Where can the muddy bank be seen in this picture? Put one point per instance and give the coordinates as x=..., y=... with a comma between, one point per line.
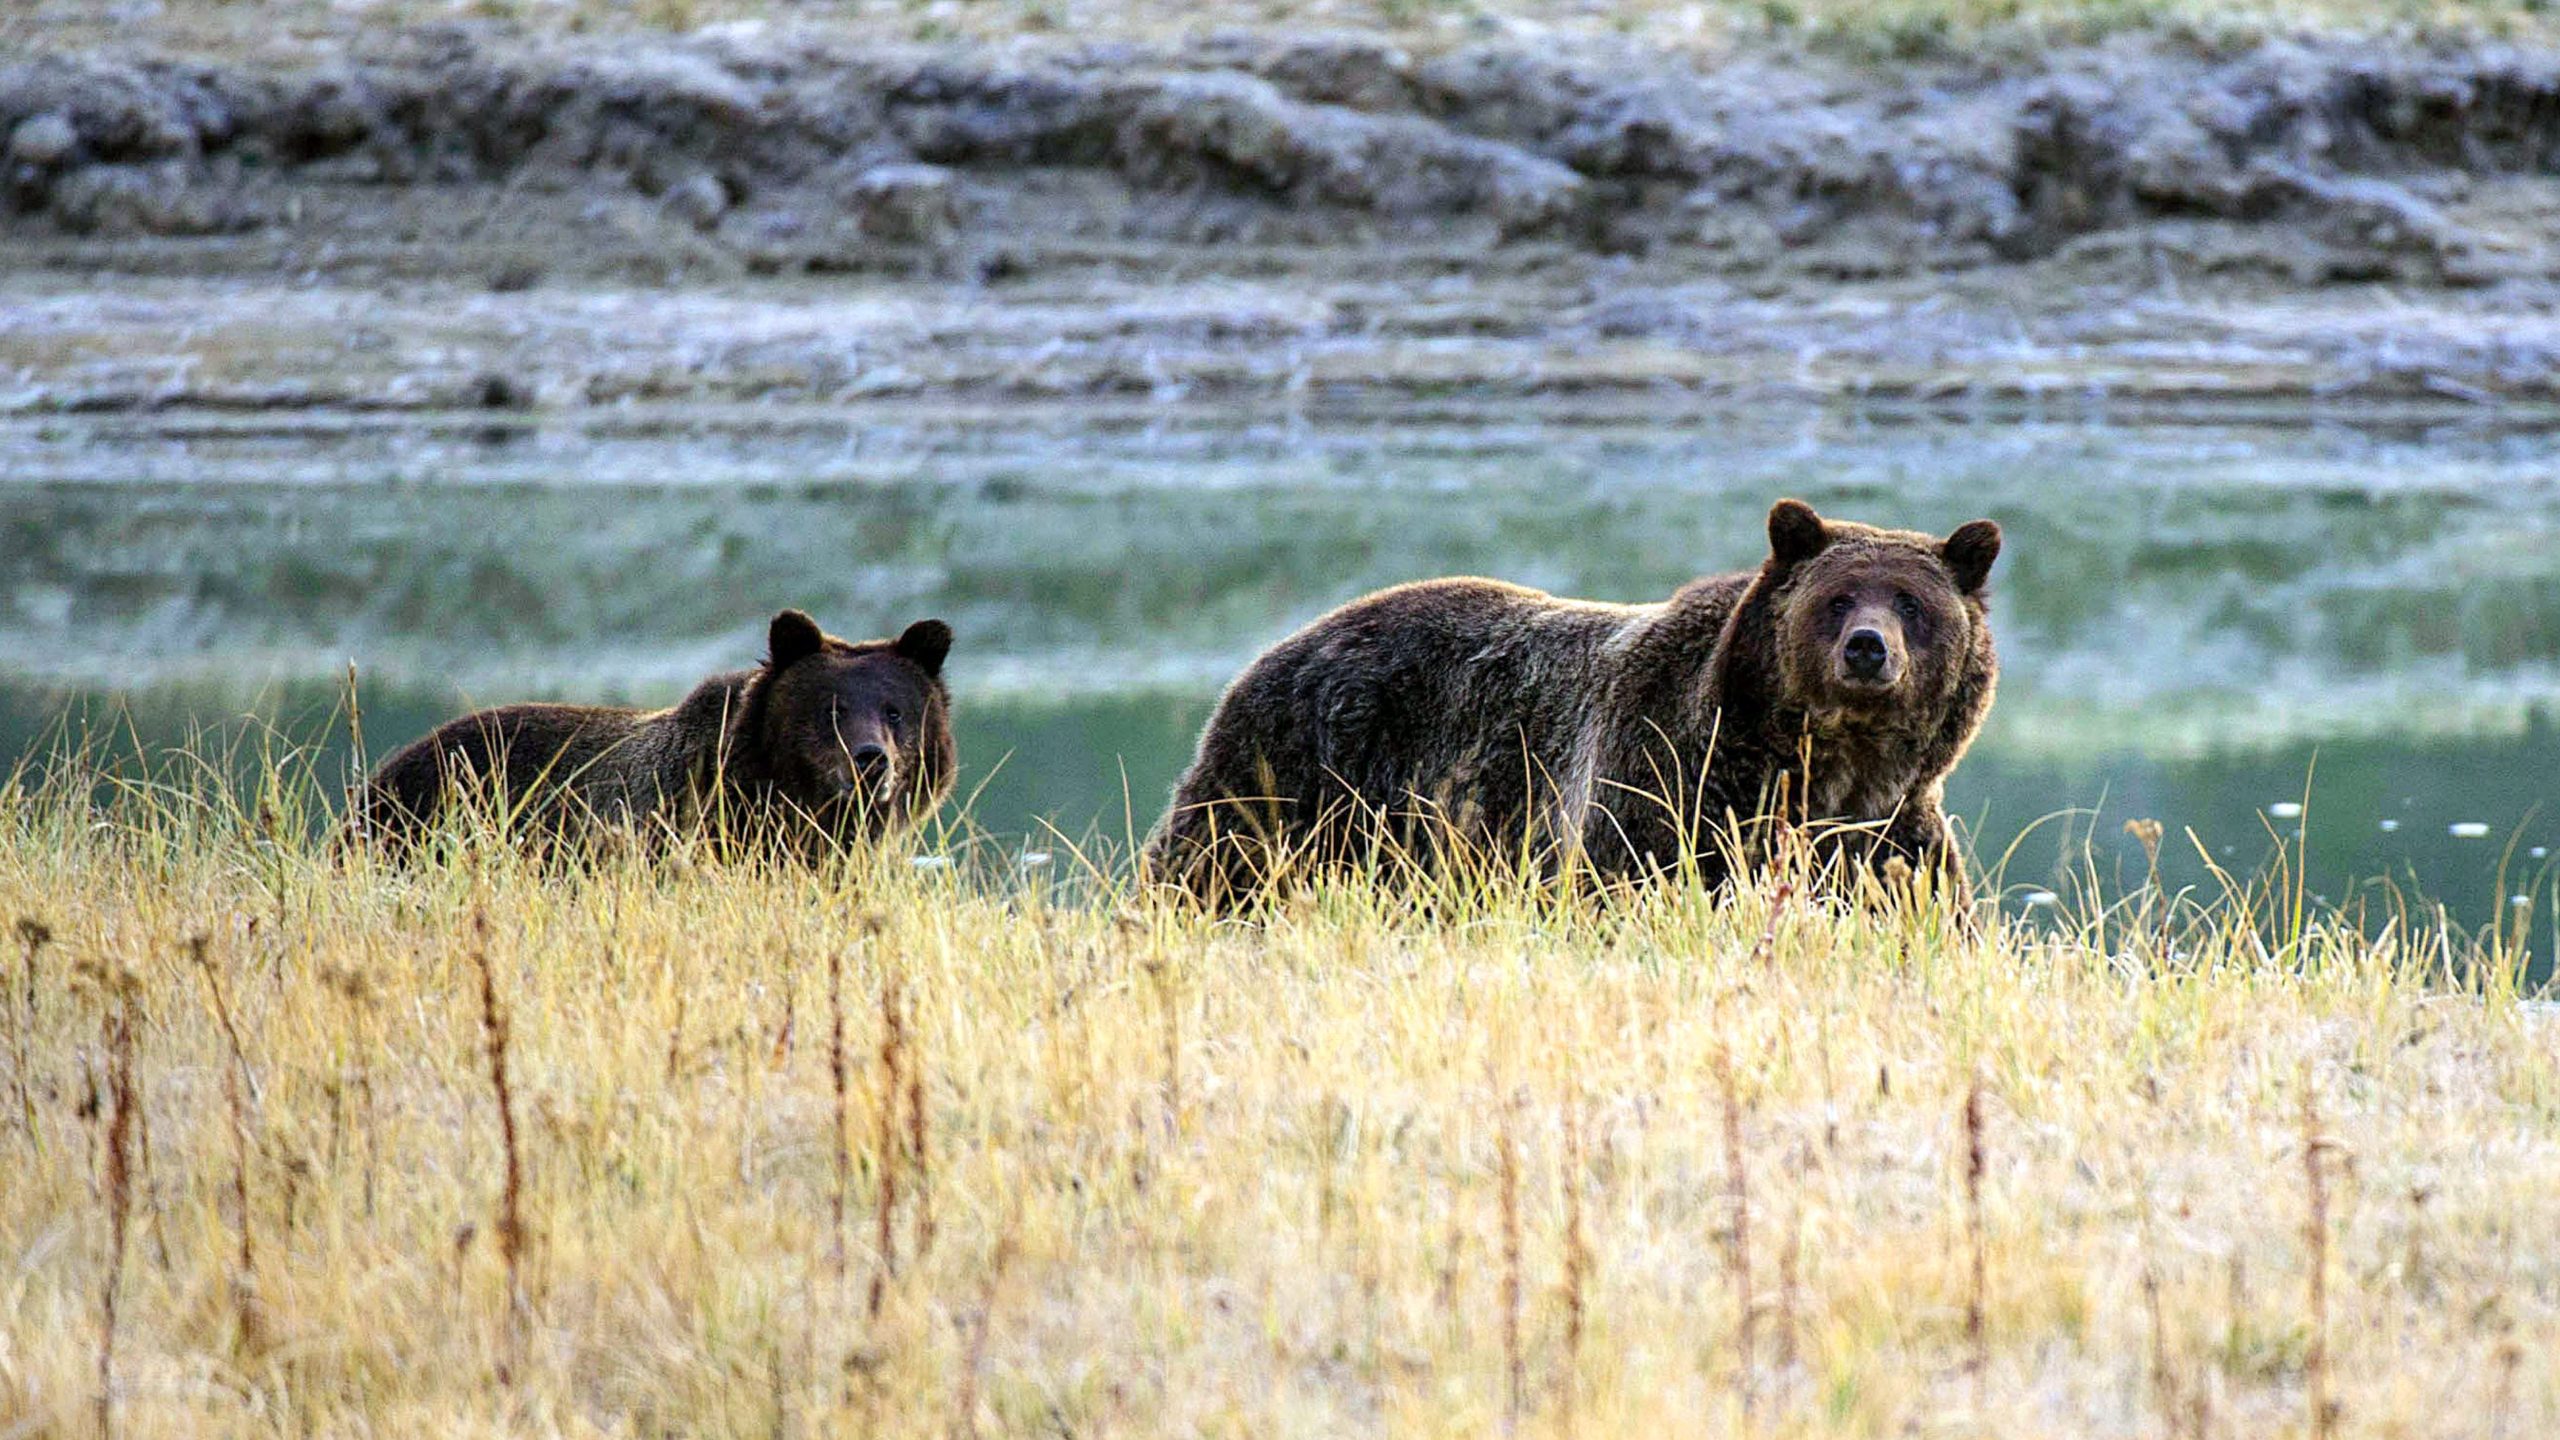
x=2325, y=161
x=742, y=213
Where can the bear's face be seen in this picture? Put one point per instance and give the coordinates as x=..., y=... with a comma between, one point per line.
x=1877, y=627
x=856, y=736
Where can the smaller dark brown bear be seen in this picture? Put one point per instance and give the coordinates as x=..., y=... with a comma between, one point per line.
x=829, y=741
x=1839, y=682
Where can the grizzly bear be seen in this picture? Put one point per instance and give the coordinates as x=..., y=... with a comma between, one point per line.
x=1839, y=682
x=828, y=741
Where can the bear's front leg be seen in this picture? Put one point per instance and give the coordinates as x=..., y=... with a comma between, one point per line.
x=1919, y=838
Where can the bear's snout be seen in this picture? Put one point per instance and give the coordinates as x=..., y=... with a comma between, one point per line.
x=870, y=769
x=1865, y=655
x=1870, y=657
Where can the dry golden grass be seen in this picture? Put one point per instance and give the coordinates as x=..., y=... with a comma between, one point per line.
x=1355, y=1170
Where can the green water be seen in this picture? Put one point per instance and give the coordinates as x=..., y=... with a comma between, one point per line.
x=2194, y=620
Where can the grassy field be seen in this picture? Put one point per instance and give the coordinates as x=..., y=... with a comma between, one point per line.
x=303, y=1146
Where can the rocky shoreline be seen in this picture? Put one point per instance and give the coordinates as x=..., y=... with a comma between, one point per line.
x=468, y=216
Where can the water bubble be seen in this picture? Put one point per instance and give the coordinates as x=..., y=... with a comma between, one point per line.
x=2539, y=851
x=2286, y=809
x=932, y=862
x=2040, y=899
x=2520, y=901
x=2467, y=829
x=1035, y=859
x=2390, y=825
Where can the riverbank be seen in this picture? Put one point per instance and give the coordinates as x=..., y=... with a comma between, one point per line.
x=481, y=215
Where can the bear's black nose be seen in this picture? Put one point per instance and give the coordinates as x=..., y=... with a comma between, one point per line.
x=1864, y=654
x=870, y=762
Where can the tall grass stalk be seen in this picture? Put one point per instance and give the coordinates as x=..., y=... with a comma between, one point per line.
x=1977, y=1339
x=246, y=1314
x=1577, y=1261
x=2316, y=1146
x=122, y=1093
x=885, y=1140
x=964, y=1419
x=1790, y=1260
x=33, y=936
x=1506, y=1141
x=495, y=1039
x=920, y=1145
x=1737, y=1189
x=839, y=1143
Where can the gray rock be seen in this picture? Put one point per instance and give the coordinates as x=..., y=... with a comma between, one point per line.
x=699, y=200
x=1239, y=129
x=43, y=140
x=133, y=200
x=906, y=204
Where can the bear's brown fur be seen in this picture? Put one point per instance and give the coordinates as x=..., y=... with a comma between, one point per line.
x=827, y=741
x=1839, y=682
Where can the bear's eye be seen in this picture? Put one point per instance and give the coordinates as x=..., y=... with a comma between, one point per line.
x=893, y=714
x=1906, y=607
x=1839, y=606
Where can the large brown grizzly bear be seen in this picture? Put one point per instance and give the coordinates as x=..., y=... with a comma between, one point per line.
x=1839, y=682
x=827, y=741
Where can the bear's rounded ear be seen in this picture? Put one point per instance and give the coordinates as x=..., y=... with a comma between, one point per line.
x=926, y=642
x=1796, y=534
x=794, y=636
x=1969, y=553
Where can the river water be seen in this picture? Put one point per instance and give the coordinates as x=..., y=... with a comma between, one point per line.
x=2206, y=624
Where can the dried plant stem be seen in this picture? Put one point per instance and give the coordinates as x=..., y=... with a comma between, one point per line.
x=511, y=1228
x=1738, y=1252
x=919, y=1146
x=244, y=1271
x=1507, y=1161
x=1976, y=1332
x=893, y=1053
x=364, y=1044
x=1768, y=946
x=1452, y=1243
x=787, y=1032
x=19, y=1063
x=33, y=936
x=964, y=1420
x=2164, y=1385
x=2315, y=1173
x=1790, y=1251
x=1577, y=1262
x=2502, y=1397
x=150, y=1177
x=357, y=769
x=119, y=1196
x=675, y=1036
x=1578, y=1259
x=837, y=1142
x=1170, y=1015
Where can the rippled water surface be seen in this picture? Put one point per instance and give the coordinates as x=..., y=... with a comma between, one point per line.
x=2196, y=623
